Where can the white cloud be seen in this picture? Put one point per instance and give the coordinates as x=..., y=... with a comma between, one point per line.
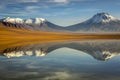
x=25, y=1
x=59, y=1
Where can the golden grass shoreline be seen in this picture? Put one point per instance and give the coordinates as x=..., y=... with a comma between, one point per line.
x=17, y=37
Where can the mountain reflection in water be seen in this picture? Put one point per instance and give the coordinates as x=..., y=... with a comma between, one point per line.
x=62, y=61
x=100, y=50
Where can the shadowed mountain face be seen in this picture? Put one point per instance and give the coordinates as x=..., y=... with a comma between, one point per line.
x=11, y=25
x=100, y=50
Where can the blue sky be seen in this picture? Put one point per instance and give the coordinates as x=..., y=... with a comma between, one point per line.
x=61, y=12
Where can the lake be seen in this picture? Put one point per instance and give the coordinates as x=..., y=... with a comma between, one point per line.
x=68, y=60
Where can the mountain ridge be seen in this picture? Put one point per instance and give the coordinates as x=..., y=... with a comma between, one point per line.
x=24, y=21
x=38, y=24
x=100, y=22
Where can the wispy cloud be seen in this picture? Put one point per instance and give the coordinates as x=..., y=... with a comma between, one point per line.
x=32, y=7
x=90, y=10
x=43, y=2
x=66, y=1
x=59, y=1
x=36, y=7
x=8, y=2
x=26, y=1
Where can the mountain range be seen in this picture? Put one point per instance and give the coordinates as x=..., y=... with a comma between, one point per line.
x=100, y=22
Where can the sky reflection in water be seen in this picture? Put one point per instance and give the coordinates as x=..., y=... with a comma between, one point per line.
x=64, y=61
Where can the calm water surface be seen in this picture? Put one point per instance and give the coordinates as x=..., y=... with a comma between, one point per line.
x=77, y=60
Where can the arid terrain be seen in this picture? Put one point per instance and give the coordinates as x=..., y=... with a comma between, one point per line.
x=18, y=37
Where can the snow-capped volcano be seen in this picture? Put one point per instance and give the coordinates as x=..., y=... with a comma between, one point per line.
x=100, y=22
x=101, y=18
x=37, y=21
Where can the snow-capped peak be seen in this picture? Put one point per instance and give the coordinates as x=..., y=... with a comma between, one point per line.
x=37, y=21
x=102, y=18
x=13, y=20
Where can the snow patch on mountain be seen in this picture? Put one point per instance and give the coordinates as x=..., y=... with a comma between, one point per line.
x=13, y=20
x=101, y=18
x=37, y=21
x=34, y=21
